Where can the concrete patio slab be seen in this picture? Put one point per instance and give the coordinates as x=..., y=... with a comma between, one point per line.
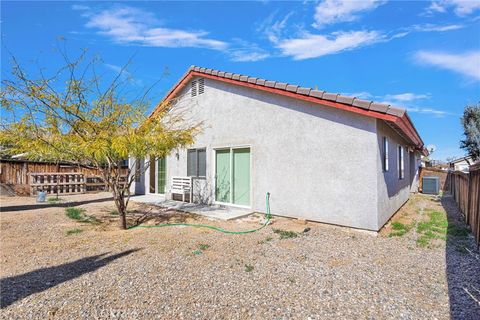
x=213, y=211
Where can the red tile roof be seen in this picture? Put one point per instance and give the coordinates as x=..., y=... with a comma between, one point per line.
x=396, y=118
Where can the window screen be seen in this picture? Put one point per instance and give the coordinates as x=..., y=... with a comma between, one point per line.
x=191, y=162
x=202, y=162
x=401, y=164
x=385, y=154
x=196, y=163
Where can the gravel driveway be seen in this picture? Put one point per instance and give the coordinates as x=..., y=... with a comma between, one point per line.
x=51, y=270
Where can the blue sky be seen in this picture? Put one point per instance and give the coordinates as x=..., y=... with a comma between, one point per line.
x=423, y=56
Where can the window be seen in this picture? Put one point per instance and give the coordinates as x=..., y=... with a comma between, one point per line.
x=197, y=87
x=196, y=163
x=401, y=164
x=385, y=154
x=137, y=170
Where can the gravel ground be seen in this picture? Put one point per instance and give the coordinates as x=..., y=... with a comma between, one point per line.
x=184, y=273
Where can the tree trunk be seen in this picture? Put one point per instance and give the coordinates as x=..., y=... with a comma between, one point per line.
x=119, y=199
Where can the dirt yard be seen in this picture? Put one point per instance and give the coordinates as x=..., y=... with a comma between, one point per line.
x=423, y=265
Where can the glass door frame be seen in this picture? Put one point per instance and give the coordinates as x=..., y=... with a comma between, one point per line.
x=231, y=148
x=155, y=168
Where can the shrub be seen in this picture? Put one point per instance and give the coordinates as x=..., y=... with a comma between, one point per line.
x=75, y=213
x=285, y=234
x=79, y=215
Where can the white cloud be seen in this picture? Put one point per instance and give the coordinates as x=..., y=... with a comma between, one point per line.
x=360, y=95
x=406, y=97
x=412, y=99
x=129, y=25
x=115, y=68
x=402, y=99
x=273, y=30
x=123, y=73
x=430, y=111
x=244, y=51
x=316, y=45
x=460, y=7
x=467, y=64
x=335, y=11
x=436, y=28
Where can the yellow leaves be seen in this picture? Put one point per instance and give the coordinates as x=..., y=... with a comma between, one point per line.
x=69, y=120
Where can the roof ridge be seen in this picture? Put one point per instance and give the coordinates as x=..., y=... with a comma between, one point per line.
x=306, y=91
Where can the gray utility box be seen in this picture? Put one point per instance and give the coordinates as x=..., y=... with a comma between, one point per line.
x=430, y=185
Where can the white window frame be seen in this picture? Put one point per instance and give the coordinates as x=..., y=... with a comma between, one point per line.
x=401, y=162
x=214, y=163
x=385, y=154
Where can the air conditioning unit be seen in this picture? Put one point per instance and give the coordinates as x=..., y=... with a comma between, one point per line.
x=430, y=185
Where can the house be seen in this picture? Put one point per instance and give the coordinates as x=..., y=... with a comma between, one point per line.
x=322, y=156
x=460, y=164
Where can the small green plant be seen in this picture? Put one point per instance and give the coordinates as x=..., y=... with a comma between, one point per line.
x=422, y=241
x=434, y=228
x=399, y=228
x=285, y=234
x=54, y=200
x=267, y=239
x=398, y=233
x=74, y=231
x=248, y=268
x=203, y=247
x=79, y=215
x=113, y=213
x=75, y=213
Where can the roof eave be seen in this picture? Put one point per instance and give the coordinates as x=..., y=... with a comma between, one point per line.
x=397, y=117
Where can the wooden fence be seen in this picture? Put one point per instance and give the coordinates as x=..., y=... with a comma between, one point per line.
x=66, y=183
x=465, y=189
x=27, y=177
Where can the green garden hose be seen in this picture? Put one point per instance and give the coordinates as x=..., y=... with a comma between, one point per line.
x=267, y=220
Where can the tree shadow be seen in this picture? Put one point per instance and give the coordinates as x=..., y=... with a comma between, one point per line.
x=462, y=265
x=51, y=205
x=158, y=215
x=18, y=287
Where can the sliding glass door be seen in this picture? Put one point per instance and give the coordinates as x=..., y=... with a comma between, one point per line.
x=161, y=175
x=222, y=176
x=158, y=175
x=232, y=176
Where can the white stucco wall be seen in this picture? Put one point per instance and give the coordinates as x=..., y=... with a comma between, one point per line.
x=392, y=191
x=317, y=162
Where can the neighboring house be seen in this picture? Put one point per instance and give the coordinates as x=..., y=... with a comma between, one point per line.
x=460, y=164
x=322, y=156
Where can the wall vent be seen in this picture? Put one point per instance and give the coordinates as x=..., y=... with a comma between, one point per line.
x=194, y=88
x=430, y=185
x=201, y=85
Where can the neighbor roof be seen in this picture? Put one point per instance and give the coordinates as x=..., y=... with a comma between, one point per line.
x=467, y=159
x=396, y=118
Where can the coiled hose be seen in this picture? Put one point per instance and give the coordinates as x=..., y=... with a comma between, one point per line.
x=267, y=220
